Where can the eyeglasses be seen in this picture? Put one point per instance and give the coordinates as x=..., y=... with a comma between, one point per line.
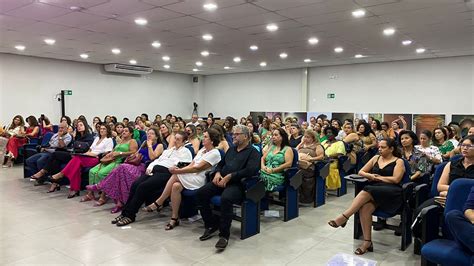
x=467, y=146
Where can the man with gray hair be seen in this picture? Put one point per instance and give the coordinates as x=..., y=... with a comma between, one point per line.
x=240, y=161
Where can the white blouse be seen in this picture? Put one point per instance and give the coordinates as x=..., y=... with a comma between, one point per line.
x=104, y=146
x=196, y=180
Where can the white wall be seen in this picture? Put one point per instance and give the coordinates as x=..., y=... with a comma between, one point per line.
x=238, y=94
x=28, y=86
x=443, y=85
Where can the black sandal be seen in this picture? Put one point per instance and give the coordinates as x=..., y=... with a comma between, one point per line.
x=117, y=219
x=360, y=251
x=54, y=187
x=149, y=208
x=125, y=221
x=170, y=226
x=333, y=223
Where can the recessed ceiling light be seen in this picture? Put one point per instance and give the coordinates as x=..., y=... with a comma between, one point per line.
x=141, y=21
x=49, y=41
x=84, y=56
x=338, y=49
x=75, y=8
x=263, y=64
x=166, y=58
x=388, y=31
x=195, y=69
x=420, y=50
x=210, y=6
x=272, y=27
x=166, y=66
x=205, y=53
x=207, y=37
x=253, y=47
x=133, y=61
x=283, y=55
x=156, y=44
x=406, y=42
x=359, y=56
x=20, y=47
x=307, y=60
x=313, y=40
x=226, y=67
x=198, y=63
x=116, y=51
x=237, y=59
x=358, y=13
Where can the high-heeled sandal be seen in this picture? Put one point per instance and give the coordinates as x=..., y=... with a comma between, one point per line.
x=333, y=223
x=75, y=194
x=88, y=197
x=152, y=207
x=170, y=226
x=360, y=251
x=54, y=187
x=125, y=221
x=100, y=202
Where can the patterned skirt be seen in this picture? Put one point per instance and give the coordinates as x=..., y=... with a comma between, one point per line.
x=117, y=184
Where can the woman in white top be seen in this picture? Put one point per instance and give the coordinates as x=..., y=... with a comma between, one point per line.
x=148, y=187
x=190, y=177
x=102, y=144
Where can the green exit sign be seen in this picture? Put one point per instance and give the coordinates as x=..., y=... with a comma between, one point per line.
x=331, y=95
x=68, y=92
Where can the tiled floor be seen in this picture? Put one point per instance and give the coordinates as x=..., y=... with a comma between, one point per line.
x=41, y=228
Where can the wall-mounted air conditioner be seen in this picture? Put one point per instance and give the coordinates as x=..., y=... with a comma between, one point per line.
x=128, y=69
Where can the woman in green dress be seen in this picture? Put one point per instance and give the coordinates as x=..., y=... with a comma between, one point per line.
x=127, y=146
x=441, y=141
x=277, y=158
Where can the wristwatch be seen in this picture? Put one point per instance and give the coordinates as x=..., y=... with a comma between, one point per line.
x=121, y=153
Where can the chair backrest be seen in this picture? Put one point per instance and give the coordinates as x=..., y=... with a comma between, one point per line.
x=458, y=193
x=222, y=152
x=46, y=138
x=437, y=175
x=55, y=128
x=406, y=175
x=455, y=157
x=295, y=158
x=191, y=149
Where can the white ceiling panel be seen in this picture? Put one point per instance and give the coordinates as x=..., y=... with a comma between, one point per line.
x=76, y=3
x=119, y=7
x=38, y=11
x=444, y=28
x=7, y=5
x=77, y=19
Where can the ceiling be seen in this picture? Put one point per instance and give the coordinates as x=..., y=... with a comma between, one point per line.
x=443, y=27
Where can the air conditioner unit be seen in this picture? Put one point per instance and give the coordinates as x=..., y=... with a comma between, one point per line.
x=128, y=69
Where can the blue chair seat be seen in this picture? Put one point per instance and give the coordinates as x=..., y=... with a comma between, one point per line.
x=189, y=193
x=279, y=188
x=382, y=214
x=216, y=200
x=446, y=252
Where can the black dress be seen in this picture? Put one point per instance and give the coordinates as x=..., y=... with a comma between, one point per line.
x=387, y=197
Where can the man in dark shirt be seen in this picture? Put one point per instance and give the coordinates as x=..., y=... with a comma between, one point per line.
x=240, y=161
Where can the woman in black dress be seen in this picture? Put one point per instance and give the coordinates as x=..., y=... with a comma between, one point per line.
x=384, y=192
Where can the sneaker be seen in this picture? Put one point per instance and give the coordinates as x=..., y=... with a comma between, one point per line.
x=222, y=243
x=208, y=234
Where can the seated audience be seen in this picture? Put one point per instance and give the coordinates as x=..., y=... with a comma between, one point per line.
x=418, y=161
x=384, y=191
x=194, y=120
x=111, y=160
x=15, y=135
x=17, y=141
x=45, y=125
x=193, y=138
x=441, y=141
x=431, y=152
x=223, y=143
x=168, y=138
x=367, y=137
x=102, y=143
x=376, y=127
x=58, y=141
x=117, y=184
x=190, y=177
x=149, y=186
x=117, y=132
x=82, y=142
x=240, y=161
x=275, y=159
x=296, y=135
x=333, y=149
x=68, y=121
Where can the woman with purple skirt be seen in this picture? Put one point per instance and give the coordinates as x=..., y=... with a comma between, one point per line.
x=117, y=184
